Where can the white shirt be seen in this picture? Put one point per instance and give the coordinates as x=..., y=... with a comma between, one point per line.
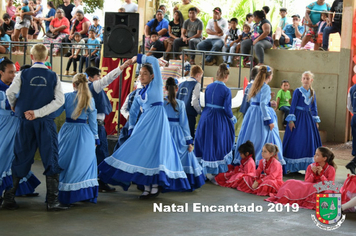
x=75, y=9
x=195, y=96
x=102, y=83
x=132, y=7
x=222, y=23
x=53, y=106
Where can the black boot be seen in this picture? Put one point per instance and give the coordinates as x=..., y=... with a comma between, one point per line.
x=351, y=166
x=103, y=187
x=9, y=202
x=52, y=194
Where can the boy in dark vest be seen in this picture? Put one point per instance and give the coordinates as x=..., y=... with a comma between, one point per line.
x=40, y=94
x=189, y=92
x=103, y=106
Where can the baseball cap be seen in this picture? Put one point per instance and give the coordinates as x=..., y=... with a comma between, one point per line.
x=217, y=9
x=95, y=17
x=283, y=9
x=296, y=15
x=25, y=1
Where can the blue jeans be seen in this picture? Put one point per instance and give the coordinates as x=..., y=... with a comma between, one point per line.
x=229, y=49
x=326, y=33
x=213, y=45
x=285, y=109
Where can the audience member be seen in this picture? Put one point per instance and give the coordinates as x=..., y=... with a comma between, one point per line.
x=290, y=32
x=77, y=7
x=80, y=26
x=10, y=8
x=50, y=15
x=334, y=24
x=67, y=7
x=249, y=20
x=122, y=9
x=155, y=45
x=4, y=47
x=98, y=29
x=184, y=8
x=282, y=23
x=93, y=45
x=174, y=31
x=321, y=26
x=164, y=10
x=8, y=25
x=130, y=6
x=21, y=28
x=191, y=34
x=231, y=40
x=158, y=24
x=37, y=22
x=77, y=55
x=216, y=29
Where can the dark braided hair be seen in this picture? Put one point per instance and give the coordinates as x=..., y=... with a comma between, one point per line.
x=171, y=87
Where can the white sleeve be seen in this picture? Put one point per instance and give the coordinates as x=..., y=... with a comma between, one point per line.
x=108, y=79
x=210, y=25
x=53, y=106
x=195, y=98
x=124, y=111
x=349, y=105
x=13, y=90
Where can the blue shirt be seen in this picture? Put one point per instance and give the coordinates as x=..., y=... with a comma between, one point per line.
x=93, y=41
x=161, y=25
x=290, y=31
x=5, y=38
x=25, y=9
x=52, y=12
x=97, y=29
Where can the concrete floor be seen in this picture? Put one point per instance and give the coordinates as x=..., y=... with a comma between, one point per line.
x=122, y=213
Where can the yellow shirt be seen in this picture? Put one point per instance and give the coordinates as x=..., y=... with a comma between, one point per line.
x=184, y=9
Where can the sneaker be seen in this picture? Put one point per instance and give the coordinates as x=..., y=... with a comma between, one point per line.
x=210, y=63
x=66, y=73
x=322, y=49
x=73, y=73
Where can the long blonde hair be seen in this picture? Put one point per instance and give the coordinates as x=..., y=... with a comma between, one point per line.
x=263, y=73
x=311, y=75
x=83, y=97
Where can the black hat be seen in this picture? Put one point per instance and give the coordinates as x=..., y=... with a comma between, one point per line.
x=217, y=9
x=296, y=15
x=283, y=9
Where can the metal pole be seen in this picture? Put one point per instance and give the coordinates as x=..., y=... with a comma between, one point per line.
x=120, y=92
x=61, y=64
x=51, y=52
x=240, y=73
x=10, y=51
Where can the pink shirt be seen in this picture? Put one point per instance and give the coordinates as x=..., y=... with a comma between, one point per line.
x=57, y=23
x=11, y=10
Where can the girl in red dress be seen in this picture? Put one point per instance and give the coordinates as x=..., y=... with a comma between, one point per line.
x=303, y=193
x=235, y=174
x=269, y=174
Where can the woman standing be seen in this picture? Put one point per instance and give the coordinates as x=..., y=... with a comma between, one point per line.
x=149, y=157
x=22, y=28
x=50, y=15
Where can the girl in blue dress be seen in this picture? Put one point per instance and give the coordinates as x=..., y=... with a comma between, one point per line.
x=8, y=127
x=149, y=157
x=260, y=121
x=77, y=140
x=215, y=133
x=178, y=122
x=302, y=137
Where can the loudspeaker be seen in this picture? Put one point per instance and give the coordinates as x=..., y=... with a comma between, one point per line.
x=121, y=34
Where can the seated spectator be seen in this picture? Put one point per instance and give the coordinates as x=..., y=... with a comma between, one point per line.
x=77, y=55
x=312, y=16
x=321, y=26
x=282, y=23
x=156, y=45
x=59, y=27
x=130, y=6
x=184, y=8
x=261, y=37
x=21, y=28
x=249, y=20
x=10, y=8
x=231, y=40
x=77, y=7
x=96, y=27
x=334, y=24
x=159, y=25
x=186, y=64
x=290, y=32
x=80, y=26
x=50, y=15
x=174, y=31
x=191, y=34
x=216, y=30
x=93, y=45
x=246, y=34
x=4, y=47
x=8, y=25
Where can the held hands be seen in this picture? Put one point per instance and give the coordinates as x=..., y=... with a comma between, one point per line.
x=319, y=169
x=314, y=169
x=291, y=125
x=255, y=184
x=30, y=115
x=190, y=148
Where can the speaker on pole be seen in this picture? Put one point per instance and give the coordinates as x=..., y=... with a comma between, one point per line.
x=121, y=34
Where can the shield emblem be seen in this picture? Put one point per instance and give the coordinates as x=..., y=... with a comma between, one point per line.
x=328, y=207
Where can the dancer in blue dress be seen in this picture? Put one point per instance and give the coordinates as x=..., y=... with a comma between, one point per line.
x=179, y=124
x=77, y=141
x=302, y=137
x=260, y=121
x=9, y=124
x=215, y=134
x=149, y=157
